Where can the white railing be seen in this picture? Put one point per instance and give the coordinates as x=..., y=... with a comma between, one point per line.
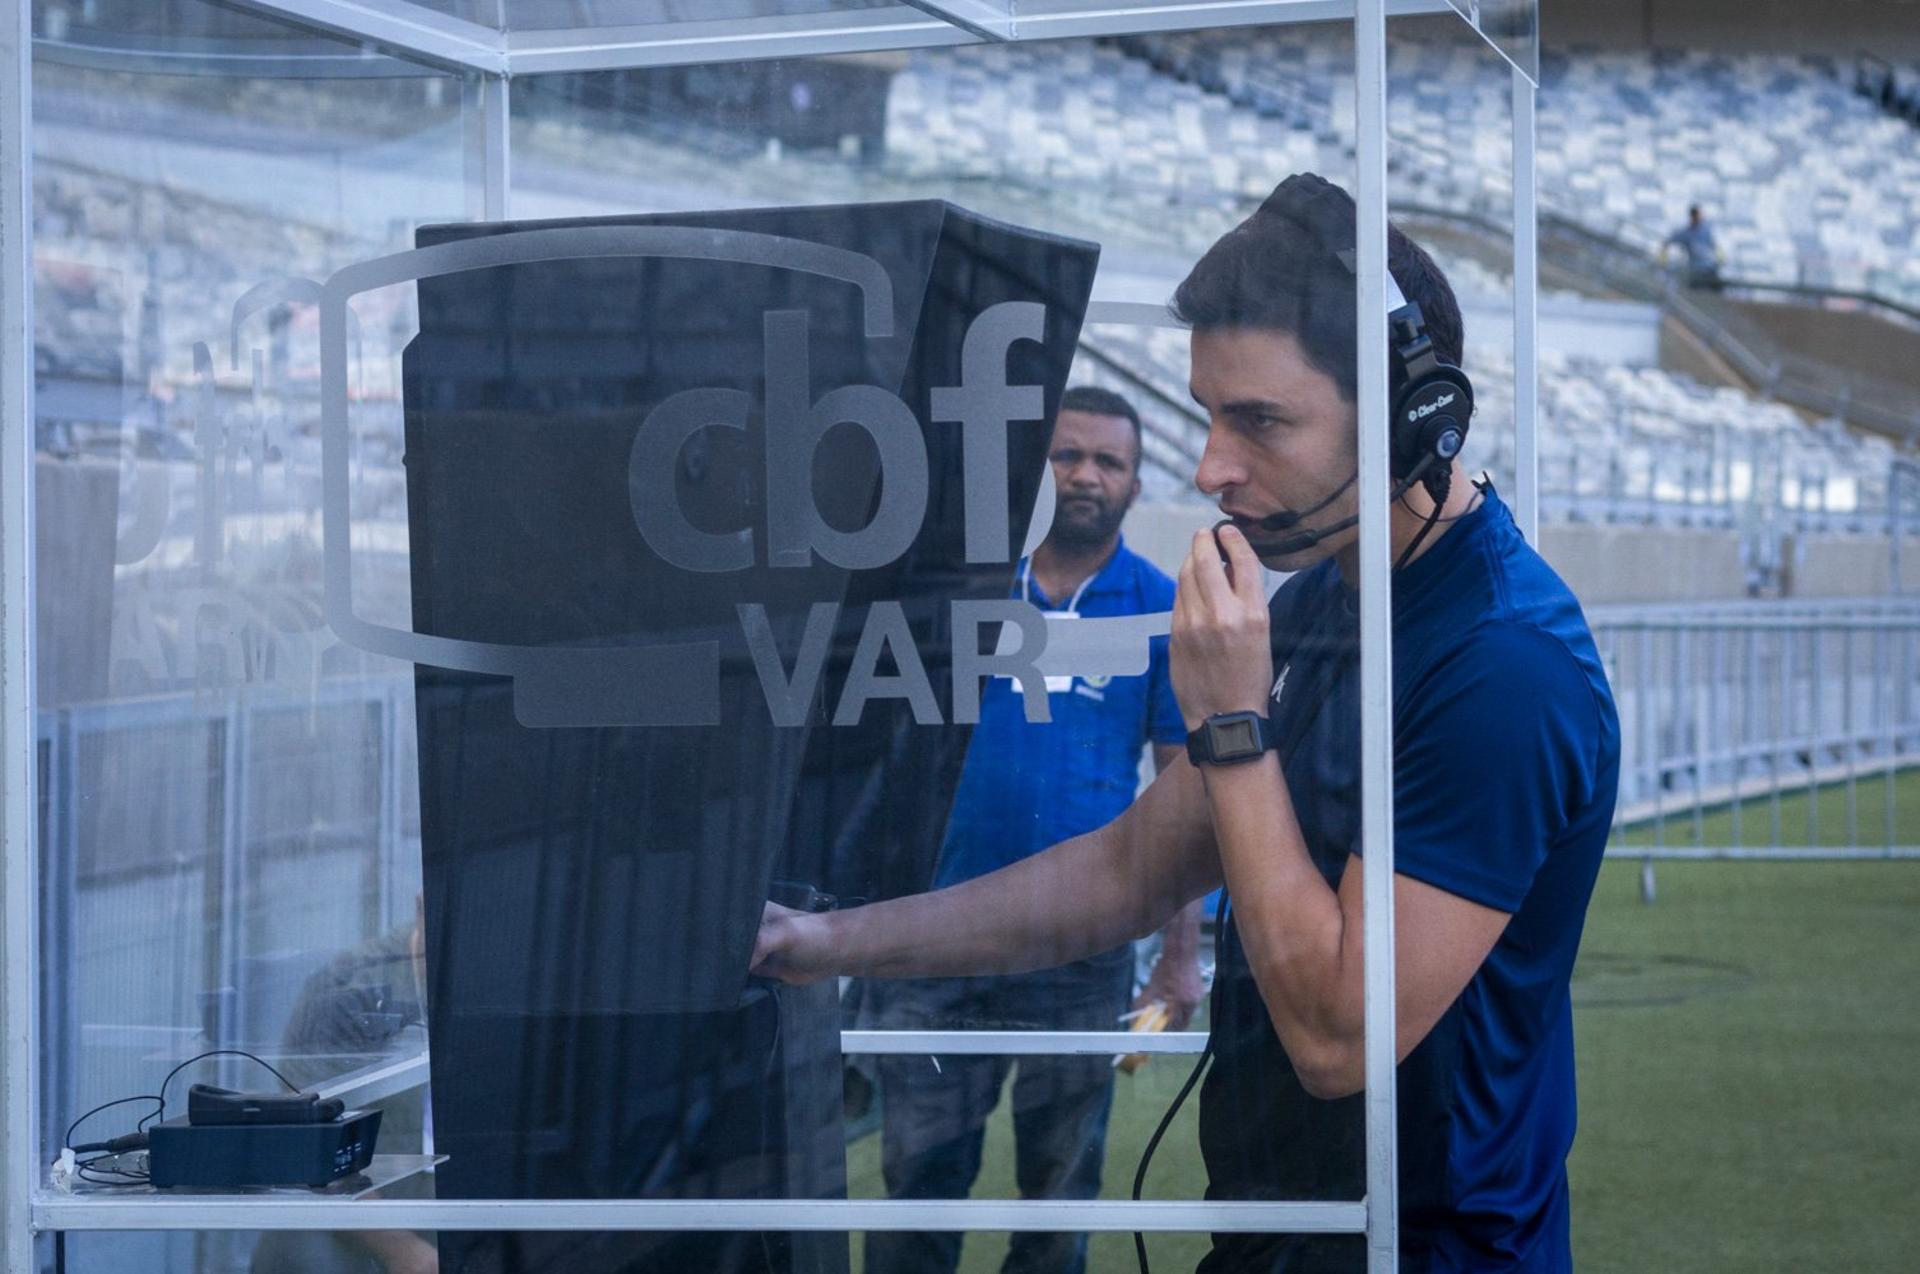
x=1763, y=730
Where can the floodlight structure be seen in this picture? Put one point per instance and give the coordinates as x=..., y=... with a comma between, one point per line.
x=481, y=44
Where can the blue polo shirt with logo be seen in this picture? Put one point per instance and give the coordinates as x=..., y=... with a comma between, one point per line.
x=1028, y=785
x=1506, y=760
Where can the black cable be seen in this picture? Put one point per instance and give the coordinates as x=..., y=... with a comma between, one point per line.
x=1301, y=723
x=1480, y=485
x=91, y=1170
x=1153, y=1143
x=88, y=1170
x=766, y=1129
x=1438, y=487
x=66, y=1142
x=1180, y=1098
x=1321, y=691
x=160, y=1111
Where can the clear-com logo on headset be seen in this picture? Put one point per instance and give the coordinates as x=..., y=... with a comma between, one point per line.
x=678, y=683
x=1427, y=409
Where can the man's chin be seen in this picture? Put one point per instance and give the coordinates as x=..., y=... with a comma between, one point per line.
x=1286, y=563
x=1073, y=532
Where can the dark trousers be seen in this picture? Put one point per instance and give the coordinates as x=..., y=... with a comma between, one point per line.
x=934, y=1116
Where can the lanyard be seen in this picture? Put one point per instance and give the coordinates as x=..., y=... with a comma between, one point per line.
x=1026, y=588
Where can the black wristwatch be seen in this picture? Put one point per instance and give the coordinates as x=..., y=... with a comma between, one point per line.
x=1228, y=738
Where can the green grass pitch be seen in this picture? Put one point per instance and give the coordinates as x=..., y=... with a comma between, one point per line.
x=1749, y=1066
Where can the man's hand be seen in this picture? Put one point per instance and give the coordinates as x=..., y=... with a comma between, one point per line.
x=413, y=1256
x=1176, y=984
x=1220, y=656
x=793, y=946
x=398, y=1251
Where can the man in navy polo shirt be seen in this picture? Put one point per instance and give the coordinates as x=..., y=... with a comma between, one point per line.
x=1506, y=761
x=1027, y=786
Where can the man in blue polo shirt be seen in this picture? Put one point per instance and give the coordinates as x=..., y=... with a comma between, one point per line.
x=1506, y=761
x=1027, y=786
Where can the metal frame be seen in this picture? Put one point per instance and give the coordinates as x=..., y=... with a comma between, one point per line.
x=870, y=30
x=1017, y=1043
x=408, y=29
x=984, y=18
x=1746, y=689
x=415, y=32
x=19, y=935
x=1526, y=314
x=1376, y=639
x=496, y=148
x=493, y=56
x=278, y=1213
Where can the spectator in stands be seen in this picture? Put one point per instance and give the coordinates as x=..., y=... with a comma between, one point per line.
x=1027, y=786
x=1506, y=763
x=1695, y=240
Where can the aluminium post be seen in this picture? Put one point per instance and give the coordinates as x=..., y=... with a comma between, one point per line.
x=497, y=138
x=18, y=1122
x=1376, y=634
x=1526, y=315
x=485, y=104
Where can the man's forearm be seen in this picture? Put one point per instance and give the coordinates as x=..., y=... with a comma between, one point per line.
x=1289, y=920
x=1033, y=914
x=1180, y=939
x=1083, y=896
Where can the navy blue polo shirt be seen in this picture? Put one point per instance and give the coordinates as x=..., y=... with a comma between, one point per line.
x=1028, y=785
x=1506, y=759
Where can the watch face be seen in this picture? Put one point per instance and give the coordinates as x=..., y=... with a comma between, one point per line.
x=1234, y=737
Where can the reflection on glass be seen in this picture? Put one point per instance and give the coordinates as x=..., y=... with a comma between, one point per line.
x=228, y=792
x=708, y=457
x=1511, y=26
x=546, y=15
x=1027, y=786
x=239, y=796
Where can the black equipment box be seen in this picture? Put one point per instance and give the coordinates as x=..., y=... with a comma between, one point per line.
x=233, y=1155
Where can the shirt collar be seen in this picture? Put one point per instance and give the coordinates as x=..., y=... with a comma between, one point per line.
x=1109, y=578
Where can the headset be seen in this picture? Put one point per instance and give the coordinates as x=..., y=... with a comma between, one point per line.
x=1431, y=399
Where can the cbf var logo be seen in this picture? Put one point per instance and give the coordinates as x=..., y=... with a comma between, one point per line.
x=679, y=682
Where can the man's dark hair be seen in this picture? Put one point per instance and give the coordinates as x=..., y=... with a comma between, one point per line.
x=1095, y=401
x=1273, y=271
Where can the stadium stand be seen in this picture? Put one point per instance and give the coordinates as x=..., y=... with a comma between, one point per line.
x=1626, y=142
x=1087, y=118
x=1892, y=89
x=1618, y=444
x=1206, y=125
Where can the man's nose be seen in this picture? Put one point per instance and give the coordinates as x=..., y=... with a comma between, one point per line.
x=1084, y=476
x=1219, y=468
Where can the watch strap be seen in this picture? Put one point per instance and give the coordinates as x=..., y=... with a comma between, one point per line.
x=1260, y=737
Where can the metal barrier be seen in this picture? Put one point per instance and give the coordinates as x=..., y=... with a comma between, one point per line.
x=1749, y=730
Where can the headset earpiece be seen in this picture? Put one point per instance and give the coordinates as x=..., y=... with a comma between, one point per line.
x=1432, y=401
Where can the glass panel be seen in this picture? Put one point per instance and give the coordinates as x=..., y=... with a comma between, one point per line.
x=464, y=629
x=189, y=39
x=153, y=27
x=229, y=845
x=1155, y=167
x=1511, y=26
x=295, y=1252
x=1450, y=184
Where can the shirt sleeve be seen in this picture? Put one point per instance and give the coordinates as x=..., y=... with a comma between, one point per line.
x=1494, y=751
